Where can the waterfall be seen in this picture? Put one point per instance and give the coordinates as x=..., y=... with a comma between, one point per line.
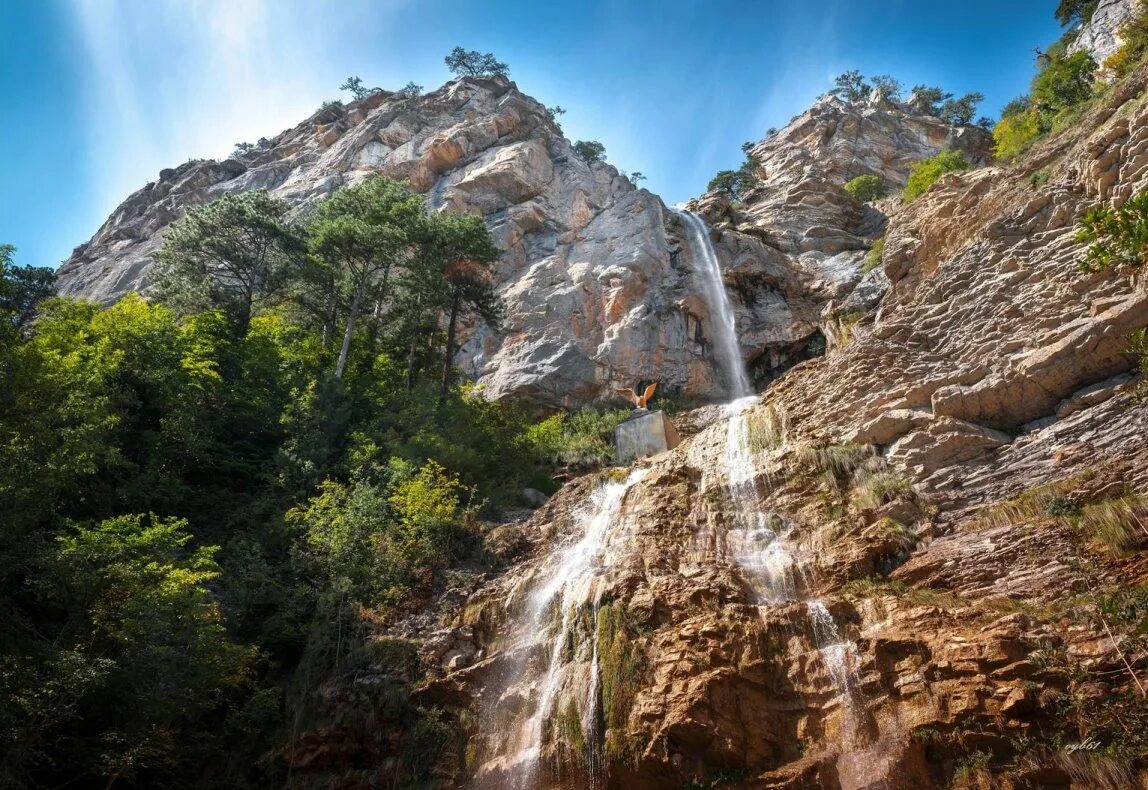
x=726, y=346
x=839, y=656
x=573, y=581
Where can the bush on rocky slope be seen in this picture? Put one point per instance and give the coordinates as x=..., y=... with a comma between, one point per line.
x=926, y=172
x=866, y=188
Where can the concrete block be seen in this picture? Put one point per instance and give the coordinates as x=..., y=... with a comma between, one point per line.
x=645, y=433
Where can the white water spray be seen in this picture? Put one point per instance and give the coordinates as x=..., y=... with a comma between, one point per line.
x=840, y=657
x=726, y=346
x=575, y=581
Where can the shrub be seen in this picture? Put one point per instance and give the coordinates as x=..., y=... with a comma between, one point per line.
x=580, y=439
x=1014, y=134
x=1117, y=237
x=1134, y=36
x=873, y=258
x=590, y=151
x=866, y=188
x=926, y=172
x=1064, y=83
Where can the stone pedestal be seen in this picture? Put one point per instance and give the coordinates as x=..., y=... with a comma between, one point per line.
x=645, y=433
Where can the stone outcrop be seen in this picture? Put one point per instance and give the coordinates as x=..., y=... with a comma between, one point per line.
x=597, y=276
x=1100, y=35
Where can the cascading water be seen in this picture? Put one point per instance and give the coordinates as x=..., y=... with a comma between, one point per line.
x=726, y=347
x=756, y=539
x=570, y=674
x=839, y=655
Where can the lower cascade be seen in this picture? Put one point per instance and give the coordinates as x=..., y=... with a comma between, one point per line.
x=556, y=663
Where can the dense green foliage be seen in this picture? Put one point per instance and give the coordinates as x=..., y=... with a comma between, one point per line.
x=1063, y=84
x=590, y=151
x=851, y=86
x=866, y=188
x=1074, y=12
x=960, y=111
x=926, y=172
x=463, y=63
x=1117, y=237
x=581, y=439
x=22, y=288
x=202, y=521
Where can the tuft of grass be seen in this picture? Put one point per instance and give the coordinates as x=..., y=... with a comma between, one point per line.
x=879, y=489
x=1040, y=178
x=873, y=257
x=838, y=459
x=767, y=430
x=1116, y=525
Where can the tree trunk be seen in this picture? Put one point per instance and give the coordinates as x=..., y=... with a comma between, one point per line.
x=351, y=318
x=411, y=350
x=448, y=355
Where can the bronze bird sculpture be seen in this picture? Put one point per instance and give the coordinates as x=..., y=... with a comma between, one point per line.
x=639, y=401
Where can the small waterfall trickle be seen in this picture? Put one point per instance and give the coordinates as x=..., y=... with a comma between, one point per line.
x=726, y=346
x=840, y=657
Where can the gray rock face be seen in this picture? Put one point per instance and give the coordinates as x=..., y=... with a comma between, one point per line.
x=597, y=276
x=800, y=233
x=1100, y=36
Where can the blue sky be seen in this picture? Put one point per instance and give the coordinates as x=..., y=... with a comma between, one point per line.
x=102, y=94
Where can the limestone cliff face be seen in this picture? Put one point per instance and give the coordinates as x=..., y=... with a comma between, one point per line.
x=884, y=572
x=1100, y=35
x=597, y=277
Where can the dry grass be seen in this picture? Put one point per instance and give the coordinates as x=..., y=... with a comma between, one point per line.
x=1116, y=525
x=767, y=430
x=880, y=488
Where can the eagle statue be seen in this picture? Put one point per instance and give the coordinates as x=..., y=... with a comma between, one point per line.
x=639, y=401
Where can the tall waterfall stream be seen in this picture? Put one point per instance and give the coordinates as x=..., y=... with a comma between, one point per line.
x=553, y=688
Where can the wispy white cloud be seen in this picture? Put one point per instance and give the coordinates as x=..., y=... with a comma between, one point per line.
x=172, y=79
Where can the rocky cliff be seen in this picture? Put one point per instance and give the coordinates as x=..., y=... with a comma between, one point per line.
x=915, y=562
x=597, y=276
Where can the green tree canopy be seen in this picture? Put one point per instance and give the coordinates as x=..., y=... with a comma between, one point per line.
x=590, y=151
x=360, y=234
x=236, y=253
x=463, y=63
x=22, y=288
x=851, y=86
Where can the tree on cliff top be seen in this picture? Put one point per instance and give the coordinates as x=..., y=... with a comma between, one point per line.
x=851, y=86
x=475, y=64
x=355, y=86
x=590, y=151
x=1072, y=12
